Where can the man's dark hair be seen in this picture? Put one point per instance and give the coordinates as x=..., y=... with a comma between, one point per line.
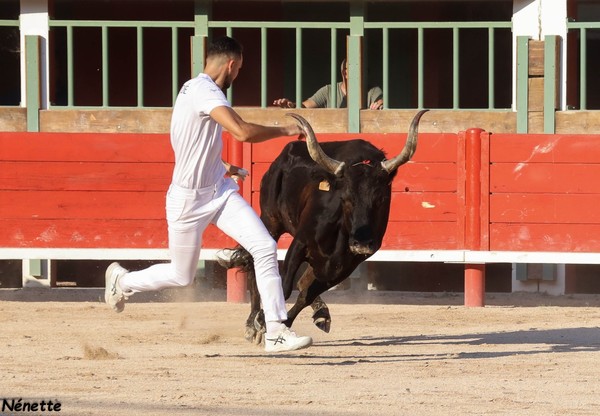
x=225, y=46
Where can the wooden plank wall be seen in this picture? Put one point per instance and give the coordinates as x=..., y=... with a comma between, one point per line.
x=94, y=190
x=322, y=120
x=13, y=119
x=544, y=192
x=85, y=190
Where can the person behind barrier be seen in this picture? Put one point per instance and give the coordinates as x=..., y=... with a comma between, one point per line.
x=320, y=99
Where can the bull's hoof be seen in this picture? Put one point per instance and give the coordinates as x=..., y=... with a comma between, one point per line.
x=250, y=333
x=322, y=319
x=253, y=335
x=258, y=337
x=259, y=320
x=260, y=327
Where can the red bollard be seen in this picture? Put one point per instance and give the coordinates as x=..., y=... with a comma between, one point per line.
x=475, y=285
x=474, y=273
x=237, y=285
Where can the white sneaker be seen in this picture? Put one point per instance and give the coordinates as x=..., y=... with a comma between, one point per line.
x=285, y=340
x=113, y=294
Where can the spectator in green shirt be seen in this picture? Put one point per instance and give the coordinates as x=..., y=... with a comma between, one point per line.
x=320, y=99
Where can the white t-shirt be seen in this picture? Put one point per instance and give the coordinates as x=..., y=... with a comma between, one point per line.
x=195, y=136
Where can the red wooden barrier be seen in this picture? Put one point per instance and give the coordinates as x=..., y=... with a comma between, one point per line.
x=86, y=191
x=477, y=192
x=544, y=193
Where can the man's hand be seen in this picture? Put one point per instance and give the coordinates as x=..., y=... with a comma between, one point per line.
x=284, y=103
x=377, y=105
x=240, y=174
x=235, y=172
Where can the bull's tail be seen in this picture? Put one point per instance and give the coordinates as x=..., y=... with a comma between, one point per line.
x=236, y=257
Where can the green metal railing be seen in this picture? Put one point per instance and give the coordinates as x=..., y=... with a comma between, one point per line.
x=263, y=27
x=456, y=28
x=104, y=26
x=14, y=24
x=583, y=28
x=299, y=29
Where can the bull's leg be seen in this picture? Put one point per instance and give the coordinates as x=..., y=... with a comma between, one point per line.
x=255, y=324
x=321, y=316
x=294, y=258
x=305, y=298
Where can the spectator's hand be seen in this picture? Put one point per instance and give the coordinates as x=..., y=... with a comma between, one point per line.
x=284, y=103
x=377, y=105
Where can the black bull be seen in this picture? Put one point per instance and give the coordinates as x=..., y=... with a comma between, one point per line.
x=334, y=199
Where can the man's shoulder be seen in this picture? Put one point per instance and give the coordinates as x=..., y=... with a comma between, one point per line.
x=205, y=83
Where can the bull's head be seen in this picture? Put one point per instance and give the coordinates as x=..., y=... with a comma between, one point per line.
x=337, y=168
x=364, y=218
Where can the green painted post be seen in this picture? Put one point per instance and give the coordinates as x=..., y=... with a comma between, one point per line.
x=174, y=63
x=354, y=99
x=263, y=67
x=202, y=12
x=386, y=67
x=521, y=272
x=455, y=69
x=140, y=66
x=32, y=81
x=334, y=68
x=70, y=76
x=522, y=83
x=491, y=71
x=583, y=69
x=420, y=69
x=354, y=84
x=298, y=67
x=32, y=93
x=549, y=270
x=229, y=32
x=105, y=69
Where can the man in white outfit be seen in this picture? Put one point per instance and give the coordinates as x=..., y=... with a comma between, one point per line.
x=200, y=193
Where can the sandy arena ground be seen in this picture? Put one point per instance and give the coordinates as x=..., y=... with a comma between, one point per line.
x=387, y=354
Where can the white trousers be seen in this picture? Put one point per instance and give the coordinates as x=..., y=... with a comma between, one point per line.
x=189, y=212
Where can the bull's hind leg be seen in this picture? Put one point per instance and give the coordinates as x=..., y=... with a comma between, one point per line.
x=321, y=316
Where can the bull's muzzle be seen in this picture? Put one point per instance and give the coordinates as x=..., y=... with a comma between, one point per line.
x=365, y=248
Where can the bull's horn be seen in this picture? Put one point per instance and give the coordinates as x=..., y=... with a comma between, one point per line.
x=390, y=165
x=314, y=149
